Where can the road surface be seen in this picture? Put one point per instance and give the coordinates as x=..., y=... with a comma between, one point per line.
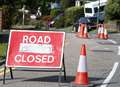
x=102, y=60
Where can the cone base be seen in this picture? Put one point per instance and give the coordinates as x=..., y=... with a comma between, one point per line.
x=80, y=36
x=106, y=37
x=85, y=35
x=101, y=36
x=98, y=36
x=72, y=84
x=81, y=78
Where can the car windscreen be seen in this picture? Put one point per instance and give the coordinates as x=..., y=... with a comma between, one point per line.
x=88, y=10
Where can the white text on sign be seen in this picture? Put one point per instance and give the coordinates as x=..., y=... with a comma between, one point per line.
x=32, y=58
x=35, y=44
x=36, y=40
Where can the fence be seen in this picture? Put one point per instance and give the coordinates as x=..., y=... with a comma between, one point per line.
x=113, y=26
x=0, y=18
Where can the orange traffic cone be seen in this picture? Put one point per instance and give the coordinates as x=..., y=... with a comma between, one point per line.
x=99, y=30
x=105, y=34
x=85, y=32
x=79, y=28
x=78, y=31
x=81, y=31
x=82, y=75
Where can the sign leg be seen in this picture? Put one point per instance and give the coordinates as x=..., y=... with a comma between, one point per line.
x=4, y=75
x=64, y=68
x=11, y=73
x=60, y=75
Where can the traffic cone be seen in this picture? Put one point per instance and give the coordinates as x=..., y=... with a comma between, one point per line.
x=82, y=74
x=81, y=31
x=105, y=34
x=85, y=32
x=79, y=28
x=99, y=30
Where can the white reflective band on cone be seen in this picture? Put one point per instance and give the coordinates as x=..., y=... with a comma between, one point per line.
x=99, y=30
x=82, y=66
x=85, y=31
x=79, y=28
x=102, y=30
x=105, y=32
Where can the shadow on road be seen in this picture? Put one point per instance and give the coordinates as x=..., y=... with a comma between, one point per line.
x=55, y=79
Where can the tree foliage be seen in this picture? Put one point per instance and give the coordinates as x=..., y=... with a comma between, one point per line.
x=72, y=14
x=112, y=10
x=65, y=4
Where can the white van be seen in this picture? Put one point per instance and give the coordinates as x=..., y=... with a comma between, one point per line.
x=91, y=8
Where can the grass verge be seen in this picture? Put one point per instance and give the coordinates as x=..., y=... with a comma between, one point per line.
x=3, y=50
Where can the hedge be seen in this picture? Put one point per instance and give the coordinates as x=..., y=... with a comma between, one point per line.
x=72, y=14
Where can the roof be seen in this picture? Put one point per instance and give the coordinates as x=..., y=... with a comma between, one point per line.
x=96, y=3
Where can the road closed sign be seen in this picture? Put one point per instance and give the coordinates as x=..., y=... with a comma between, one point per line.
x=39, y=49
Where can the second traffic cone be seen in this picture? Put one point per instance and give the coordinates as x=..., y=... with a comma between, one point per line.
x=99, y=30
x=82, y=74
x=85, y=32
x=81, y=31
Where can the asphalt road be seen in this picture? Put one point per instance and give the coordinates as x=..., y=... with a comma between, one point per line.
x=102, y=61
x=116, y=79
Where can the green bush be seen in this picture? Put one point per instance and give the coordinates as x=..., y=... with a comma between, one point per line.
x=38, y=24
x=112, y=10
x=3, y=49
x=72, y=13
x=6, y=16
x=11, y=15
x=55, y=12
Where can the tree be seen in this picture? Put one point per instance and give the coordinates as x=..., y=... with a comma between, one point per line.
x=112, y=10
x=64, y=4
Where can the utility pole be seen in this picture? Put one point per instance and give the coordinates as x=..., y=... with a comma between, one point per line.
x=98, y=14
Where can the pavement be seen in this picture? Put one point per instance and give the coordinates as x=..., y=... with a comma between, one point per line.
x=102, y=55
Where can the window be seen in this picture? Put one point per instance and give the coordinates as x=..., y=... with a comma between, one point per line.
x=95, y=9
x=102, y=8
x=88, y=10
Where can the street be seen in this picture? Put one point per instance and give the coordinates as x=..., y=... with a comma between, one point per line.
x=102, y=61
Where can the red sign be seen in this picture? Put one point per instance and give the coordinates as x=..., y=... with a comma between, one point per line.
x=41, y=49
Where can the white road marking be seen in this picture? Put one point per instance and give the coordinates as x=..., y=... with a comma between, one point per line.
x=118, y=50
x=118, y=34
x=109, y=77
x=106, y=48
x=114, y=42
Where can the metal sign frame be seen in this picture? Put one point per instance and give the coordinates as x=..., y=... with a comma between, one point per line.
x=60, y=69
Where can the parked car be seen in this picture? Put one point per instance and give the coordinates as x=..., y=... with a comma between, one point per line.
x=90, y=21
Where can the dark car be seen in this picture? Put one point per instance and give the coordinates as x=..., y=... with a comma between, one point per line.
x=90, y=21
